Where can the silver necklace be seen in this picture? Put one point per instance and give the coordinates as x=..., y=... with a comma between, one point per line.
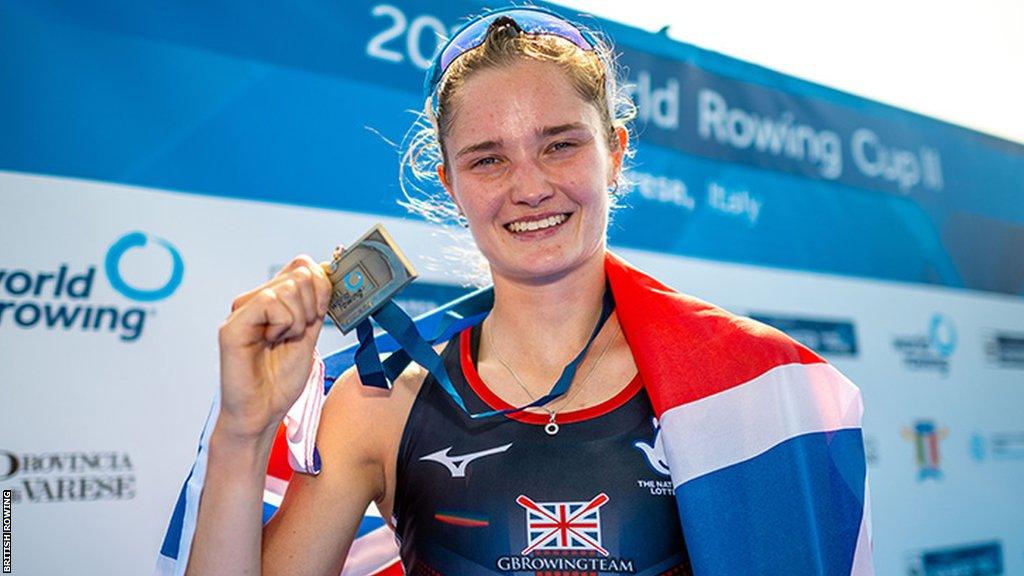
x=552, y=426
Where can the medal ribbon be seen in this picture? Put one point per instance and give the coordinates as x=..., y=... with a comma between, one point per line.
x=409, y=345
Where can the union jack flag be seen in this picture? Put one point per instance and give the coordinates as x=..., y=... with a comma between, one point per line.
x=563, y=525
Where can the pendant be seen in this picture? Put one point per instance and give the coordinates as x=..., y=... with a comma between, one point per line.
x=551, y=427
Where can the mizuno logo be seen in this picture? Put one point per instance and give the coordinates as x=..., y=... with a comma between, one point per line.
x=457, y=464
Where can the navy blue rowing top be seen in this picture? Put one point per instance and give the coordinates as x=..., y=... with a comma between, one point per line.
x=501, y=496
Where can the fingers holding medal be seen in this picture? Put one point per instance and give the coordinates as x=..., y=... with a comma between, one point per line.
x=267, y=342
x=295, y=298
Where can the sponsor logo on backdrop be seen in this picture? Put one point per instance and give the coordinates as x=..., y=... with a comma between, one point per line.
x=931, y=350
x=997, y=445
x=1005, y=349
x=826, y=337
x=67, y=476
x=982, y=559
x=138, y=240
x=926, y=436
x=62, y=299
x=564, y=537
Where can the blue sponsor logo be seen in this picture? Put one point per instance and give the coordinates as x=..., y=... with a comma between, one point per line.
x=826, y=337
x=942, y=335
x=134, y=240
x=985, y=559
x=62, y=299
x=931, y=350
x=997, y=446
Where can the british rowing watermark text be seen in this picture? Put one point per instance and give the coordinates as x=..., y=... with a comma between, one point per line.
x=7, y=532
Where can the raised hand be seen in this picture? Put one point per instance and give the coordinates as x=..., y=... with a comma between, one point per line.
x=266, y=347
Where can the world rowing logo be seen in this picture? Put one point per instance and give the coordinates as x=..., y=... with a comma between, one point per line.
x=932, y=350
x=136, y=240
x=62, y=297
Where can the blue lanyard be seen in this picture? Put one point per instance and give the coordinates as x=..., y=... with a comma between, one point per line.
x=409, y=345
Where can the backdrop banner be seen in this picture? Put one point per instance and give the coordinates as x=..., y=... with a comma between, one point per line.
x=157, y=159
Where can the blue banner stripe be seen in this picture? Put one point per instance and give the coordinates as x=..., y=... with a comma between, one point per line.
x=735, y=162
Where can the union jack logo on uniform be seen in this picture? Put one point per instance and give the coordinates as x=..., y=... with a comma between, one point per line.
x=563, y=525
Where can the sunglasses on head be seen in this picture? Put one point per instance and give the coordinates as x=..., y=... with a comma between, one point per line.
x=472, y=34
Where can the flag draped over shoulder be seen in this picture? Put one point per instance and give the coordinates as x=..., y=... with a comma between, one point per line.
x=762, y=438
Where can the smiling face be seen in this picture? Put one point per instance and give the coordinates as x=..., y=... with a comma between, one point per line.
x=529, y=164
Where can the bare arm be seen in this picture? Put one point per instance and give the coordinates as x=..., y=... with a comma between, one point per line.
x=266, y=350
x=312, y=531
x=314, y=528
x=227, y=537
x=358, y=438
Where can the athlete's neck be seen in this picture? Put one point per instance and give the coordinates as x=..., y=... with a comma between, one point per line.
x=539, y=327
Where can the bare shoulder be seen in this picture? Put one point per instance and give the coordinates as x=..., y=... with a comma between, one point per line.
x=366, y=418
x=349, y=399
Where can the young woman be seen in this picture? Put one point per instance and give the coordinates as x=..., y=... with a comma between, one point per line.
x=530, y=146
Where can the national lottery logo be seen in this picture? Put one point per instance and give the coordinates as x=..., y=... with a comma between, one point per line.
x=655, y=451
x=62, y=298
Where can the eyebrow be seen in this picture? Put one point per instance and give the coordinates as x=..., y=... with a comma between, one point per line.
x=479, y=147
x=555, y=130
x=546, y=132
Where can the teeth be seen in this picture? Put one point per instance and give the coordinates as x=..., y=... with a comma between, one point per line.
x=538, y=224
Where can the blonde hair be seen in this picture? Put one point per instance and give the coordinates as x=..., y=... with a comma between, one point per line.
x=593, y=74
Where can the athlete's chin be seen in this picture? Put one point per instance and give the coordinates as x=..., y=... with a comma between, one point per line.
x=545, y=268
